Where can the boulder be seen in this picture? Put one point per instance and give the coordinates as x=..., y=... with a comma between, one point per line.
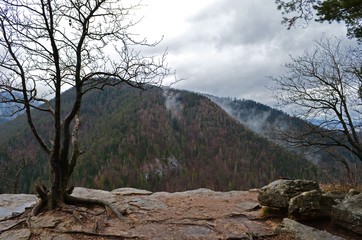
x=337, y=196
x=311, y=205
x=303, y=232
x=352, y=192
x=348, y=214
x=278, y=193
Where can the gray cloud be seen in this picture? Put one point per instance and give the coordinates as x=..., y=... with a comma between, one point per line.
x=231, y=46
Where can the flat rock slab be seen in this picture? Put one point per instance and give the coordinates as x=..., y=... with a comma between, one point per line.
x=303, y=232
x=92, y=193
x=130, y=192
x=20, y=234
x=196, y=214
x=12, y=204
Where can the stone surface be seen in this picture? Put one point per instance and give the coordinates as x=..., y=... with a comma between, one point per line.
x=278, y=193
x=348, y=214
x=195, y=214
x=21, y=234
x=303, y=232
x=15, y=204
x=130, y=191
x=310, y=205
x=93, y=193
x=352, y=193
x=337, y=196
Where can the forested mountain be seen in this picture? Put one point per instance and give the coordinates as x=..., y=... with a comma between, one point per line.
x=258, y=117
x=266, y=121
x=159, y=141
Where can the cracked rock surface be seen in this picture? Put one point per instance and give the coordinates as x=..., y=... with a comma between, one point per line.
x=196, y=214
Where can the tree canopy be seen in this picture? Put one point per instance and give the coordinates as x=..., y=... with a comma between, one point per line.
x=349, y=11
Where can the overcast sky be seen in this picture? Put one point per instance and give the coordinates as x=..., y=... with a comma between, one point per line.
x=227, y=47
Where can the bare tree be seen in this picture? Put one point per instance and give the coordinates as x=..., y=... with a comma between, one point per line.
x=48, y=46
x=11, y=167
x=322, y=87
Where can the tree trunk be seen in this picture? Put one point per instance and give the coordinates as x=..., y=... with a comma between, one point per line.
x=60, y=177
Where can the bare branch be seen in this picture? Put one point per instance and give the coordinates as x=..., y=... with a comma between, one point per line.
x=322, y=87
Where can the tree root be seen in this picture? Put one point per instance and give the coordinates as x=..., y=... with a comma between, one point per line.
x=12, y=226
x=43, y=194
x=94, y=234
x=87, y=201
x=68, y=199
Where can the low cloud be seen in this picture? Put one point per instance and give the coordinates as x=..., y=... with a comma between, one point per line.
x=172, y=104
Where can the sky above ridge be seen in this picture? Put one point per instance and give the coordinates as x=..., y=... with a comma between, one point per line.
x=227, y=47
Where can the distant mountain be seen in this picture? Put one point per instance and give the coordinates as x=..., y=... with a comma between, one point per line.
x=258, y=117
x=160, y=142
x=264, y=121
x=7, y=108
x=2, y=120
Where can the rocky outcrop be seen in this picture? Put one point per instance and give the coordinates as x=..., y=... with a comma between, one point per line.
x=303, y=232
x=311, y=205
x=305, y=201
x=12, y=204
x=196, y=214
x=349, y=213
x=352, y=193
x=337, y=196
x=278, y=193
x=160, y=168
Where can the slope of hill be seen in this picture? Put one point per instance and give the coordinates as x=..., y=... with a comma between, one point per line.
x=160, y=142
x=258, y=117
x=265, y=121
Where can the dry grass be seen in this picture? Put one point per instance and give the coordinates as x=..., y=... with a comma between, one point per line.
x=268, y=212
x=339, y=187
x=285, y=236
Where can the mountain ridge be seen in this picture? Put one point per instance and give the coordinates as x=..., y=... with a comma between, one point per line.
x=162, y=141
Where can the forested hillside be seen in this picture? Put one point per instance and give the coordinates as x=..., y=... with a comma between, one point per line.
x=158, y=141
x=258, y=117
x=267, y=121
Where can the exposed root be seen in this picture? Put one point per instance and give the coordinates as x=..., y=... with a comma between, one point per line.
x=94, y=234
x=13, y=216
x=70, y=190
x=76, y=217
x=28, y=224
x=43, y=195
x=97, y=227
x=87, y=201
x=12, y=226
x=107, y=211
